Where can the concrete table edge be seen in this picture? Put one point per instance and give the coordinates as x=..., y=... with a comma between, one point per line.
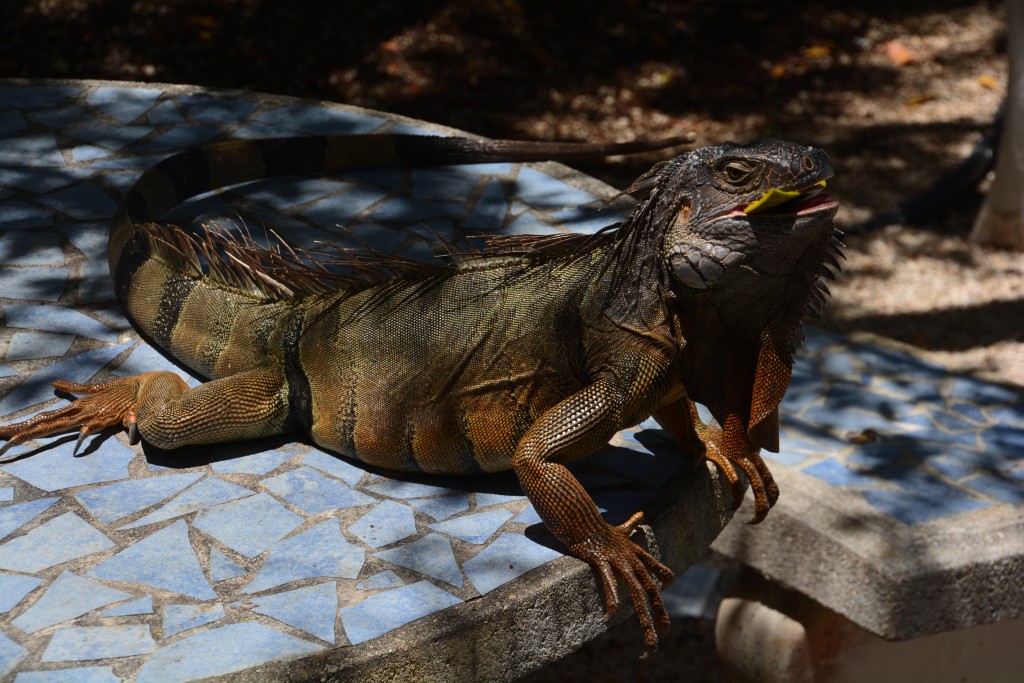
x=528, y=623
x=847, y=545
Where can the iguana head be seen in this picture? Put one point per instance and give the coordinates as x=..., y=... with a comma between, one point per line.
x=744, y=211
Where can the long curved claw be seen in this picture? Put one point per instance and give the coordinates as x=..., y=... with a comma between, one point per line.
x=615, y=557
x=102, y=405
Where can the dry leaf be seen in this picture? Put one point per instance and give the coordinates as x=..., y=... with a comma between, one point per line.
x=987, y=81
x=897, y=54
x=815, y=51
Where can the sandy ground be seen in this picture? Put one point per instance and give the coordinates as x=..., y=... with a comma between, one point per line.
x=897, y=92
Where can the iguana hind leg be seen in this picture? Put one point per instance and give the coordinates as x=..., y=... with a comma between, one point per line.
x=160, y=407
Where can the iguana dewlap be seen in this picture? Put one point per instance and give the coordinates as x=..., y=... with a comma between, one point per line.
x=524, y=357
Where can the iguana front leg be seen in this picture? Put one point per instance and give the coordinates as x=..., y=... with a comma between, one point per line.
x=727, y=447
x=159, y=407
x=577, y=426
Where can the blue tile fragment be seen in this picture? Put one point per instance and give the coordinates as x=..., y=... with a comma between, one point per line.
x=86, y=153
x=953, y=421
x=143, y=605
x=913, y=507
x=397, y=488
x=342, y=209
x=165, y=113
x=528, y=516
x=833, y=472
x=28, y=345
x=38, y=149
x=257, y=463
x=164, y=560
x=82, y=202
x=12, y=122
x=528, y=224
x=980, y=392
x=1006, y=440
x=875, y=455
x=221, y=651
x=61, y=539
x=206, y=493
x=13, y=517
x=31, y=248
x=110, y=137
x=21, y=215
x=11, y=655
x=314, y=493
x=37, y=283
x=387, y=523
x=178, y=618
x=78, y=643
x=1006, y=489
x=442, y=507
x=290, y=191
x=320, y=551
x=385, y=579
x=180, y=137
x=431, y=555
x=114, y=501
x=476, y=528
x=486, y=499
x=387, y=611
x=507, y=558
x=55, y=468
x=541, y=190
x=1012, y=416
x=124, y=104
x=144, y=358
x=60, y=118
x=223, y=567
x=334, y=465
x=37, y=180
x=79, y=368
x=316, y=120
x=433, y=183
x=581, y=220
x=14, y=587
x=312, y=609
x=248, y=525
x=402, y=210
x=216, y=109
x=490, y=210
x=67, y=597
x=58, y=318
x=78, y=674
x=29, y=97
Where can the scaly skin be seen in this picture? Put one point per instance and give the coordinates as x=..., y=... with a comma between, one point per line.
x=526, y=357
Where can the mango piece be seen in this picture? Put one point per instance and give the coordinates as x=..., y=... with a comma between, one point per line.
x=775, y=196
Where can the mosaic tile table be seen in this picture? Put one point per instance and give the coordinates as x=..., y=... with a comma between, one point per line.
x=269, y=560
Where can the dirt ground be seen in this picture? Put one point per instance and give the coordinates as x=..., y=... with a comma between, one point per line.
x=897, y=92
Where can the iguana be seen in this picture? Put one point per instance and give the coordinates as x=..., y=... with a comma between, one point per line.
x=525, y=355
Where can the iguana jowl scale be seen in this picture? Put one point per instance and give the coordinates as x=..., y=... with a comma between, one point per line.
x=527, y=355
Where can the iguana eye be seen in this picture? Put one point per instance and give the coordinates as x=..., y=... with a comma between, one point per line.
x=738, y=172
